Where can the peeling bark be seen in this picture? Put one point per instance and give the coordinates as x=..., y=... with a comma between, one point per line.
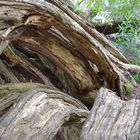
x=45, y=42
x=44, y=24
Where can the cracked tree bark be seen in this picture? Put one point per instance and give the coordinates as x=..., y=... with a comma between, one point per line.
x=111, y=118
x=39, y=114
x=45, y=42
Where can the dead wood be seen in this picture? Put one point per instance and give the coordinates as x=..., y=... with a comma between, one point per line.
x=112, y=118
x=45, y=42
x=40, y=113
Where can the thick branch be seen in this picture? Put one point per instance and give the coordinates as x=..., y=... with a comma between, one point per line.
x=39, y=114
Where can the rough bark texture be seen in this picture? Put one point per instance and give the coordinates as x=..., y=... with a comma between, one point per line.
x=39, y=114
x=45, y=42
x=72, y=50
x=112, y=119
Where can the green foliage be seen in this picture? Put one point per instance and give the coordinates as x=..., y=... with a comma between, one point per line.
x=129, y=88
x=136, y=77
x=128, y=39
x=77, y=5
x=117, y=8
x=129, y=34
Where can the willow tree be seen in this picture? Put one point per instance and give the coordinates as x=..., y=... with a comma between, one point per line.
x=54, y=66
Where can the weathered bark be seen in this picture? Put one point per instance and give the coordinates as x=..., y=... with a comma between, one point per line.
x=7, y=76
x=111, y=118
x=82, y=44
x=40, y=113
x=45, y=42
x=10, y=93
x=19, y=88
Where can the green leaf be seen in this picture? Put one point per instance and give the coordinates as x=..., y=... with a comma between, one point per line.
x=129, y=88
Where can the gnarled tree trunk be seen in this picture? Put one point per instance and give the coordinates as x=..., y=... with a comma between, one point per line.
x=111, y=118
x=45, y=42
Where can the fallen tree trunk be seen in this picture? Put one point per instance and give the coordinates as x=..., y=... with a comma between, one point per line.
x=45, y=42
x=39, y=114
x=90, y=57
x=112, y=118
